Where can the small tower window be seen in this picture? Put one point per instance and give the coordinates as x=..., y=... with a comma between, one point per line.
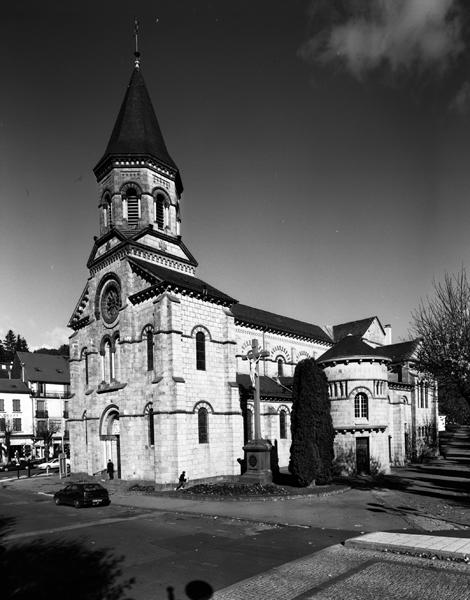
x=200, y=351
x=361, y=406
x=107, y=215
x=202, y=420
x=151, y=424
x=280, y=367
x=160, y=211
x=149, y=336
x=133, y=206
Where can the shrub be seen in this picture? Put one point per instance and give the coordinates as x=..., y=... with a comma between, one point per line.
x=311, y=453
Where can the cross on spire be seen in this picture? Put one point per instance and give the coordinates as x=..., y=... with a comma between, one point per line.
x=136, y=37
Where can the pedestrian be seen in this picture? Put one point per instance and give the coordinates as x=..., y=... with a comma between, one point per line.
x=182, y=480
x=18, y=466
x=110, y=469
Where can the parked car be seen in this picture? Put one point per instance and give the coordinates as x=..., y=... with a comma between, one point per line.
x=53, y=464
x=82, y=494
x=12, y=465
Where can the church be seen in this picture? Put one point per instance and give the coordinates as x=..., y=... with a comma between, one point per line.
x=159, y=377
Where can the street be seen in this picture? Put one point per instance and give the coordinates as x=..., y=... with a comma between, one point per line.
x=64, y=552
x=160, y=549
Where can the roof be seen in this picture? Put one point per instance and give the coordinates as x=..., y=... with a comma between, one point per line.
x=349, y=347
x=136, y=131
x=354, y=328
x=269, y=387
x=161, y=277
x=45, y=368
x=273, y=322
x=400, y=352
x=13, y=386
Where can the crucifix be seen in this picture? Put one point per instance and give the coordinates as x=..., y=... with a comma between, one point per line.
x=258, y=450
x=254, y=355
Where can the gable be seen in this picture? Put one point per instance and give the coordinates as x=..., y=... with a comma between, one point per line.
x=375, y=333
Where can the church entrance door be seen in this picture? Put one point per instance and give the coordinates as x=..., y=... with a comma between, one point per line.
x=362, y=456
x=112, y=443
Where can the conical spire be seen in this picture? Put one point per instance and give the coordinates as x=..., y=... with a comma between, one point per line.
x=136, y=132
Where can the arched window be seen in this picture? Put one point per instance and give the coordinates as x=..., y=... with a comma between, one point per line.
x=107, y=211
x=149, y=336
x=280, y=367
x=87, y=369
x=203, y=429
x=160, y=211
x=282, y=424
x=361, y=406
x=133, y=206
x=151, y=424
x=200, y=351
x=249, y=424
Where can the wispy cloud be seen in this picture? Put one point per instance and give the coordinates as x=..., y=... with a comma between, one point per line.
x=54, y=338
x=399, y=35
x=461, y=103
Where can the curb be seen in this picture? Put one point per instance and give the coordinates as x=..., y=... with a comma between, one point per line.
x=423, y=546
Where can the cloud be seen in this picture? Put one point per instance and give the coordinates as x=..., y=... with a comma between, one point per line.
x=461, y=103
x=55, y=337
x=401, y=35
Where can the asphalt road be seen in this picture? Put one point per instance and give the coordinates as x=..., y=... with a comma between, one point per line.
x=61, y=552
x=160, y=550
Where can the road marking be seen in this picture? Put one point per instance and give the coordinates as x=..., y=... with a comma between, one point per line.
x=40, y=532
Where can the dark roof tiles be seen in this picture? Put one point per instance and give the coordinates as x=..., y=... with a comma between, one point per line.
x=45, y=368
x=13, y=386
x=400, y=352
x=136, y=131
x=349, y=347
x=273, y=322
x=182, y=280
x=354, y=328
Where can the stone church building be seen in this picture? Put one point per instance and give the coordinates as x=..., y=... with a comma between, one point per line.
x=158, y=380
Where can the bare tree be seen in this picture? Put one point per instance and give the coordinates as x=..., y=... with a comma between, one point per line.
x=6, y=429
x=443, y=324
x=46, y=433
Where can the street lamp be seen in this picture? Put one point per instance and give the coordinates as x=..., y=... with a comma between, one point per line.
x=258, y=450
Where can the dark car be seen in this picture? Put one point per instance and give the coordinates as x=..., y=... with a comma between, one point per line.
x=12, y=465
x=82, y=494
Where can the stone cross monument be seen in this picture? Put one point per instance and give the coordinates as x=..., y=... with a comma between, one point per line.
x=258, y=450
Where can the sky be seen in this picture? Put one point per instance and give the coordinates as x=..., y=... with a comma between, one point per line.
x=323, y=148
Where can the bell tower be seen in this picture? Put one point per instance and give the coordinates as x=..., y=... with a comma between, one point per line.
x=139, y=183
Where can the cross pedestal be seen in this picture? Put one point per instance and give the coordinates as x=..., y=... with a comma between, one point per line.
x=258, y=462
x=257, y=451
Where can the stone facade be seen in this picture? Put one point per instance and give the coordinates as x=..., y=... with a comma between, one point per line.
x=157, y=368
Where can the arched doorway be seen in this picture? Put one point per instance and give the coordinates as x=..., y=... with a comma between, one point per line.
x=110, y=439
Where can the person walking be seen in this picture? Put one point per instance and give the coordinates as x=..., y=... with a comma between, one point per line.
x=182, y=480
x=110, y=469
x=18, y=467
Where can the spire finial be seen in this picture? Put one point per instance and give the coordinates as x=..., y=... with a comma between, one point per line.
x=136, y=36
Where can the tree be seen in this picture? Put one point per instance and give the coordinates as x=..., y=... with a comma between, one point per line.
x=62, y=350
x=311, y=453
x=443, y=324
x=45, y=432
x=9, y=344
x=6, y=429
x=21, y=344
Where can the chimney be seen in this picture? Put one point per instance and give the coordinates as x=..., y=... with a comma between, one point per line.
x=388, y=334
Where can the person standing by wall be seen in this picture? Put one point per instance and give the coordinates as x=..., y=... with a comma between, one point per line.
x=110, y=469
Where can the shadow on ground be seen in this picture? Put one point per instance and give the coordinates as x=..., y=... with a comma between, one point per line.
x=43, y=570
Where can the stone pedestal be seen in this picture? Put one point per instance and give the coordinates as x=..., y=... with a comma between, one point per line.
x=258, y=462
